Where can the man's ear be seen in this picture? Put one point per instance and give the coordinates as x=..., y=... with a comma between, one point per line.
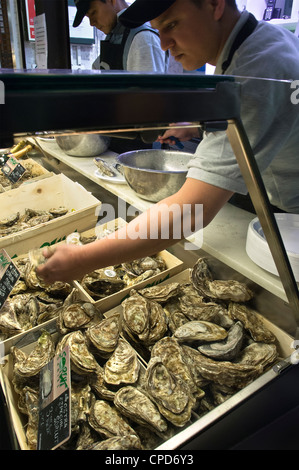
x=218, y=8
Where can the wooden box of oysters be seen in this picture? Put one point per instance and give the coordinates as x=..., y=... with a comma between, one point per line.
x=32, y=303
x=162, y=365
x=109, y=286
x=43, y=213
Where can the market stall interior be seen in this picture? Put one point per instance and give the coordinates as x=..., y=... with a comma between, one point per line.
x=209, y=102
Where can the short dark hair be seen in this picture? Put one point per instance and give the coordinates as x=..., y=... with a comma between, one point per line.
x=230, y=3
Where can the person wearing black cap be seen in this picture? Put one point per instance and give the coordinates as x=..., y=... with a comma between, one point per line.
x=136, y=49
x=198, y=32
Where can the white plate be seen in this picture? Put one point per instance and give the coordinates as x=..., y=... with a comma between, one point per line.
x=110, y=179
x=257, y=247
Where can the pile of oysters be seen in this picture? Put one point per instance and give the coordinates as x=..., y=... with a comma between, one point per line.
x=31, y=302
x=198, y=344
x=17, y=222
x=107, y=281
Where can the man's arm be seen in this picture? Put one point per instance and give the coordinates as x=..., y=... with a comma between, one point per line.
x=154, y=230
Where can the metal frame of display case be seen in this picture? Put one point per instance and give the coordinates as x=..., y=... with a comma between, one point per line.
x=114, y=102
x=128, y=102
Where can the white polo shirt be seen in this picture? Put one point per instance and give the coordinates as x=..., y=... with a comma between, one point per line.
x=270, y=118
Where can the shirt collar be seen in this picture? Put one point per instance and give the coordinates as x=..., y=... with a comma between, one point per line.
x=227, y=46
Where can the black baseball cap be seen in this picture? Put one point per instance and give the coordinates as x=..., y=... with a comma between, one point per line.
x=142, y=11
x=82, y=9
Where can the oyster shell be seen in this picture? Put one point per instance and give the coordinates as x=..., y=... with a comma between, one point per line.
x=170, y=393
x=161, y=293
x=227, y=349
x=137, y=406
x=143, y=320
x=9, y=220
x=202, y=279
x=196, y=308
x=102, y=282
x=129, y=442
x=199, y=331
x=251, y=322
x=108, y=421
x=263, y=354
x=135, y=316
x=104, y=335
x=170, y=352
x=149, y=263
x=99, y=385
x=81, y=402
x=29, y=404
x=82, y=361
x=27, y=366
x=76, y=313
x=175, y=316
x=9, y=323
x=122, y=366
x=230, y=290
x=225, y=372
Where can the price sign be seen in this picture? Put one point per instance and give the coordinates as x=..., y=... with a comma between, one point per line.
x=13, y=170
x=9, y=275
x=54, y=426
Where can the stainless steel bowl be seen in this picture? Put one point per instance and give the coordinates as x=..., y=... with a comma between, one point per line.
x=83, y=145
x=155, y=174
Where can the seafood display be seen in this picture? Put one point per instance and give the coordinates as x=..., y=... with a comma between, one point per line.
x=17, y=222
x=168, y=356
x=32, y=171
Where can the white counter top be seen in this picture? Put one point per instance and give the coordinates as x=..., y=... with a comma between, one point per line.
x=224, y=238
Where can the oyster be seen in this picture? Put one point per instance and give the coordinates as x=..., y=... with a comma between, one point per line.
x=230, y=290
x=87, y=437
x=227, y=349
x=175, y=316
x=122, y=366
x=170, y=352
x=263, y=354
x=149, y=263
x=251, y=322
x=202, y=279
x=76, y=313
x=169, y=392
x=225, y=372
x=104, y=335
x=137, y=406
x=199, y=331
x=9, y=323
x=81, y=402
x=9, y=220
x=58, y=211
x=199, y=275
x=161, y=293
x=27, y=366
x=143, y=320
x=135, y=316
x=108, y=421
x=99, y=385
x=82, y=361
x=196, y=308
x=102, y=282
x=29, y=404
x=129, y=442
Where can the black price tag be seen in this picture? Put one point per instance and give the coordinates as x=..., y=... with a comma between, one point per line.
x=54, y=426
x=9, y=275
x=13, y=170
